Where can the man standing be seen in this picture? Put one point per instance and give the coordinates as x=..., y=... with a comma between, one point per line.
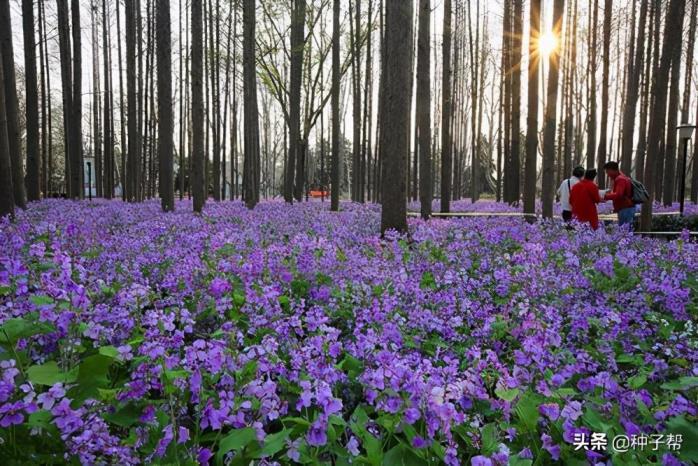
x=621, y=194
x=563, y=192
x=583, y=199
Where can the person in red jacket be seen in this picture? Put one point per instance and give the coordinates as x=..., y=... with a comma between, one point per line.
x=584, y=197
x=621, y=194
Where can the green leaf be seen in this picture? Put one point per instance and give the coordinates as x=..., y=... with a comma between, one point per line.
x=352, y=366
x=679, y=425
x=41, y=418
x=110, y=352
x=489, y=439
x=516, y=461
x=124, y=417
x=402, y=455
x=49, y=374
x=637, y=381
x=592, y=418
x=527, y=412
x=684, y=383
x=15, y=329
x=93, y=374
x=507, y=395
x=41, y=300
x=273, y=444
x=427, y=281
x=235, y=441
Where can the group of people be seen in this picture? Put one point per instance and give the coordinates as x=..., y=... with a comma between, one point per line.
x=580, y=194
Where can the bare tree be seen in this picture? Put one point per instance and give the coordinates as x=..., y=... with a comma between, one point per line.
x=165, y=111
x=513, y=166
x=108, y=171
x=530, y=169
x=635, y=57
x=32, y=103
x=672, y=36
x=251, y=162
x=603, y=142
x=550, y=118
x=446, y=105
x=424, y=106
x=396, y=119
x=670, y=152
x=295, y=161
x=7, y=199
x=133, y=161
x=335, y=185
x=11, y=105
x=197, y=106
x=591, y=114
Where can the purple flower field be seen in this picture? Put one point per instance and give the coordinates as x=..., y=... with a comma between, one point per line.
x=292, y=335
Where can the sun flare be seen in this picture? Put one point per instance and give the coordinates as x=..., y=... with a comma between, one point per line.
x=547, y=43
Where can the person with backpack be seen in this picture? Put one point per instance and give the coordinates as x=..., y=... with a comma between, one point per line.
x=583, y=198
x=621, y=193
x=563, y=192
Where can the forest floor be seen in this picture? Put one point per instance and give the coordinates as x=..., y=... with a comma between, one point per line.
x=294, y=334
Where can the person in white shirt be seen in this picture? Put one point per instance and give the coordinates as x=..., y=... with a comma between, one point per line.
x=563, y=192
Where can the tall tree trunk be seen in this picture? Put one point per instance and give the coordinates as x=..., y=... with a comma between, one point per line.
x=46, y=175
x=694, y=173
x=670, y=153
x=637, y=47
x=356, y=100
x=165, y=111
x=646, y=99
x=296, y=153
x=591, y=116
x=446, y=104
x=474, y=61
x=530, y=173
x=513, y=164
x=32, y=103
x=396, y=121
x=197, y=104
x=108, y=172
x=11, y=105
x=603, y=142
x=672, y=35
x=424, y=106
x=76, y=170
x=335, y=183
x=685, y=106
x=133, y=162
x=7, y=198
x=368, y=104
x=215, y=98
x=252, y=168
x=550, y=118
x=125, y=178
x=96, y=102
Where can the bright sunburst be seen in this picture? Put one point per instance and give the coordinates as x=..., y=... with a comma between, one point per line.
x=547, y=43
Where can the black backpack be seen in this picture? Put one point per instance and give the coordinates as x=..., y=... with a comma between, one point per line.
x=640, y=194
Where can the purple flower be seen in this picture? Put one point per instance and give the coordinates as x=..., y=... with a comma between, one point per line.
x=419, y=442
x=353, y=446
x=552, y=448
x=219, y=287
x=317, y=434
x=11, y=414
x=182, y=434
x=480, y=460
x=550, y=410
x=203, y=456
x=572, y=410
x=165, y=441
